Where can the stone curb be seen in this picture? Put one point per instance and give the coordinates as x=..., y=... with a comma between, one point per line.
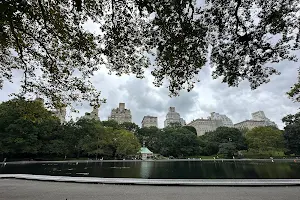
x=161, y=182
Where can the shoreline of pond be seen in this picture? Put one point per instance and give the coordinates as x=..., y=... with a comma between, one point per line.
x=295, y=160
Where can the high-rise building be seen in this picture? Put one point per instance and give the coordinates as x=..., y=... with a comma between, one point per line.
x=94, y=114
x=212, y=122
x=259, y=116
x=121, y=114
x=249, y=124
x=203, y=126
x=226, y=121
x=258, y=119
x=173, y=117
x=149, y=121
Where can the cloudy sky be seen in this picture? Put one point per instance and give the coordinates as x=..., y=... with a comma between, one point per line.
x=142, y=98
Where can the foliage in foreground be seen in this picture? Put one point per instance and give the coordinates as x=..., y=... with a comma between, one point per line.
x=48, y=42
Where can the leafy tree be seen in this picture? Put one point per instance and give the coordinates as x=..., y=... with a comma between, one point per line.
x=227, y=149
x=175, y=125
x=292, y=132
x=294, y=93
x=225, y=138
x=96, y=139
x=111, y=123
x=151, y=136
x=107, y=140
x=130, y=126
x=265, y=139
x=291, y=119
x=22, y=124
x=178, y=142
x=21, y=137
x=191, y=128
x=126, y=143
x=52, y=138
x=170, y=141
x=29, y=129
x=72, y=134
x=49, y=37
x=292, y=137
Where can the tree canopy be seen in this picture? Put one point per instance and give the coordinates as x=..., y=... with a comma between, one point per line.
x=292, y=133
x=48, y=41
x=265, y=139
x=224, y=140
x=27, y=128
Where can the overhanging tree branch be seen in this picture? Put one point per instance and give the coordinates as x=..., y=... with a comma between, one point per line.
x=20, y=52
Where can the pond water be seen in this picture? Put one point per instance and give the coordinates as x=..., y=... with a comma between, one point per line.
x=162, y=169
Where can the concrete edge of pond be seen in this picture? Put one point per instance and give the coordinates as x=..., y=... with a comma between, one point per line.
x=157, y=182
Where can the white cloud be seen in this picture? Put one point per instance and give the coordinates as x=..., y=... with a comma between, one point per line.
x=209, y=95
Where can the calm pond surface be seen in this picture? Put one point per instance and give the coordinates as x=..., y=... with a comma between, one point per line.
x=162, y=169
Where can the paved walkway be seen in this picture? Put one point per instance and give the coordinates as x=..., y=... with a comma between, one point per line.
x=13, y=189
x=139, y=181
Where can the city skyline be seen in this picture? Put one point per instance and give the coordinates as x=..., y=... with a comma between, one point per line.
x=209, y=95
x=122, y=114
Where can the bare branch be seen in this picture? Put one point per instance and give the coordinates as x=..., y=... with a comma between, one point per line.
x=113, y=11
x=38, y=41
x=43, y=13
x=20, y=52
x=239, y=2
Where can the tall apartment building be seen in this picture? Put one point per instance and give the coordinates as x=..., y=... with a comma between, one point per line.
x=212, y=122
x=258, y=119
x=149, y=121
x=94, y=114
x=249, y=124
x=226, y=121
x=121, y=114
x=260, y=116
x=205, y=125
x=173, y=117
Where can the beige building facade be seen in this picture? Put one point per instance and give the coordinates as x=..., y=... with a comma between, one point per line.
x=212, y=122
x=226, y=121
x=173, y=117
x=121, y=114
x=203, y=126
x=249, y=124
x=94, y=114
x=149, y=121
x=258, y=119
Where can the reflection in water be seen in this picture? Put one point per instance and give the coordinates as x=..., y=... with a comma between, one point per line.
x=162, y=169
x=145, y=170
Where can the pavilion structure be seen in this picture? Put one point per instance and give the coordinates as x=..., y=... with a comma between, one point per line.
x=145, y=153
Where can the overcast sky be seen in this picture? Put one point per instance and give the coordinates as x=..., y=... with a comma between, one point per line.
x=142, y=98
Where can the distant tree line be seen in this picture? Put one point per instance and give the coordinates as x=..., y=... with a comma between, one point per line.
x=29, y=131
